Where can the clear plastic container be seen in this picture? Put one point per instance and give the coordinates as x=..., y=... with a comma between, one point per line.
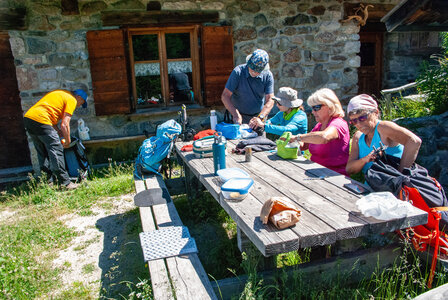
x=226, y=174
x=236, y=189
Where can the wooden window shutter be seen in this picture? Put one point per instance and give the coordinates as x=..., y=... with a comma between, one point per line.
x=108, y=67
x=217, y=61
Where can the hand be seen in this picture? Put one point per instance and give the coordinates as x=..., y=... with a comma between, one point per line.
x=64, y=143
x=237, y=119
x=293, y=139
x=370, y=157
x=255, y=123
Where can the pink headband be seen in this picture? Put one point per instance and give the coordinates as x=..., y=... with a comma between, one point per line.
x=362, y=101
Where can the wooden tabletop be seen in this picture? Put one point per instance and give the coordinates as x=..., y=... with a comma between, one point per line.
x=329, y=211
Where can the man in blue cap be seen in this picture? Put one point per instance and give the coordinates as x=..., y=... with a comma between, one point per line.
x=41, y=123
x=249, y=90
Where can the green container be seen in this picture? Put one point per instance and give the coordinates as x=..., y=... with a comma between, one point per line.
x=282, y=151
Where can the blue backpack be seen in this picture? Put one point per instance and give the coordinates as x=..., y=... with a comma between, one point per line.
x=156, y=148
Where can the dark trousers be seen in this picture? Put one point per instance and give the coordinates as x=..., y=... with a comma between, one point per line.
x=50, y=152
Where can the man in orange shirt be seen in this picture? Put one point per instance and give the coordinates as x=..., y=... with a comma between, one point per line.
x=41, y=123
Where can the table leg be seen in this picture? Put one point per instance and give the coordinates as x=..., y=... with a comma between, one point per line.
x=245, y=245
x=193, y=186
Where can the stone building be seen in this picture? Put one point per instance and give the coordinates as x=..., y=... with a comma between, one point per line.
x=115, y=47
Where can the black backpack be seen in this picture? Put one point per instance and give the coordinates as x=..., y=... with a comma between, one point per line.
x=383, y=175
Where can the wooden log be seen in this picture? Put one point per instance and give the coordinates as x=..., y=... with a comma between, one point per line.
x=112, y=18
x=355, y=266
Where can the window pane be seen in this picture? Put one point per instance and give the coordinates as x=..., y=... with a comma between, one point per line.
x=177, y=45
x=148, y=90
x=179, y=66
x=147, y=81
x=145, y=47
x=180, y=81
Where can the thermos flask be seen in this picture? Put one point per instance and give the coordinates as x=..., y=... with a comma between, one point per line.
x=213, y=119
x=219, y=153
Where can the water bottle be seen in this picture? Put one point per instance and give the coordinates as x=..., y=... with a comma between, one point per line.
x=219, y=153
x=213, y=120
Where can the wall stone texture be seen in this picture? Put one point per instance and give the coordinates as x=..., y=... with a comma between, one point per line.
x=308, y=46
x=433, y=154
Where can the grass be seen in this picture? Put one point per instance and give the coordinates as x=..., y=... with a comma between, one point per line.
x=214, y=232
x=30, y=239
x=405, y=279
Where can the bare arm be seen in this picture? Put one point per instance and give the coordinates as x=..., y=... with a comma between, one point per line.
x=225, y=98
x=318, y=137
x=355, y=165
x=65, y=129
x=393, y=134
x=268, y=105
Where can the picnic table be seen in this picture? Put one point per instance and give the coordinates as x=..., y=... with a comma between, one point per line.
x=328, y=209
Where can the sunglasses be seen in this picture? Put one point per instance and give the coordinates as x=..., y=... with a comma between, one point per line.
x=317, y=107
x=362, y=118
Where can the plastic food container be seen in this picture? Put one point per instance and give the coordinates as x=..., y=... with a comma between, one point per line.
x=236, y=189
x=226, y=174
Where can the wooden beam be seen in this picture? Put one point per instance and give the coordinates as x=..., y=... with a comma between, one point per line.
x=354, y=266
x=402, y=12
x=111, y=18
x=423, y=28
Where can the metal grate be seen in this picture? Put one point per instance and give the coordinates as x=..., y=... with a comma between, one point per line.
x=167, y=242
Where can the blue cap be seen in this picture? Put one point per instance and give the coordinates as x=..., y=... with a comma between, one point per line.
x=259, y=61
x=83, y=95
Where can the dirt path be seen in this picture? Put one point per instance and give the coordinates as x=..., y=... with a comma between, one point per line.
x=106, y=253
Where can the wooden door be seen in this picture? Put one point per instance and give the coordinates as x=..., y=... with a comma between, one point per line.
x=370, y=71
x=13, y=141
x=217, y=61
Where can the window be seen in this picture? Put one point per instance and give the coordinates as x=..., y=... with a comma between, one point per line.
x=149, y=68
x=164, y=66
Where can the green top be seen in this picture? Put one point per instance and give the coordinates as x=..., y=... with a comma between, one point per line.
x=289, y=115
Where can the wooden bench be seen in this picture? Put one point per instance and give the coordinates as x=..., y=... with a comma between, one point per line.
x=178, y=277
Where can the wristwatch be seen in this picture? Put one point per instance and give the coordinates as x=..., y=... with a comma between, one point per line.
x=261, y=117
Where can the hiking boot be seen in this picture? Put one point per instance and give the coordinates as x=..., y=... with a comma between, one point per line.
x=71, y=186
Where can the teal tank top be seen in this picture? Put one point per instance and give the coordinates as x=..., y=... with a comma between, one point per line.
x=364, y=150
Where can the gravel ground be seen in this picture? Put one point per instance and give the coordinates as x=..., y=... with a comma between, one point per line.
x=106, y=253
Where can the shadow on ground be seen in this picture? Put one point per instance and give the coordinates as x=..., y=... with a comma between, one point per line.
x=121, y=261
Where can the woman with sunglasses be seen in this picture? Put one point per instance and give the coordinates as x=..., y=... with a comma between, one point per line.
x=364, y=115
x=329, y=140
x=290, y=117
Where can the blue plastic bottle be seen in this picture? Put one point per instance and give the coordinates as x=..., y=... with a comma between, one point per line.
x=219, y=153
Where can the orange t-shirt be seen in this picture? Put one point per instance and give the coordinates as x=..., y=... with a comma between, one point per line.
x=51, y=108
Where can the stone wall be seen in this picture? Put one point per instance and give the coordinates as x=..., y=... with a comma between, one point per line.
x=403, y=54
x=309, y=49
x=433, y=154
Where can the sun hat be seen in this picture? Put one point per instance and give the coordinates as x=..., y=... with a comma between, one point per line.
x=287, y=97
x=362, y=101
x=258, y=61
x=83, y=95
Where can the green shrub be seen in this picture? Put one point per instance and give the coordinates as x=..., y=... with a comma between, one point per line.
x=433, y=79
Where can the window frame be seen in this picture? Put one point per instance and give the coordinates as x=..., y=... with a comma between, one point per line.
x=193, y=30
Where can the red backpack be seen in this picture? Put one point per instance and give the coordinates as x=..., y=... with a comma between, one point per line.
x=421, y=190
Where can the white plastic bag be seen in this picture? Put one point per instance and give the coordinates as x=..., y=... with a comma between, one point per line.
x=383, y=206
x=247, y=132
x=83, y=130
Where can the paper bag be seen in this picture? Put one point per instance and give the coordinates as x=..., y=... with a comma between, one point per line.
x=280, y=211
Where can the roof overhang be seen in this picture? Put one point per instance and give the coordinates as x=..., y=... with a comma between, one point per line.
x=418, y=15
